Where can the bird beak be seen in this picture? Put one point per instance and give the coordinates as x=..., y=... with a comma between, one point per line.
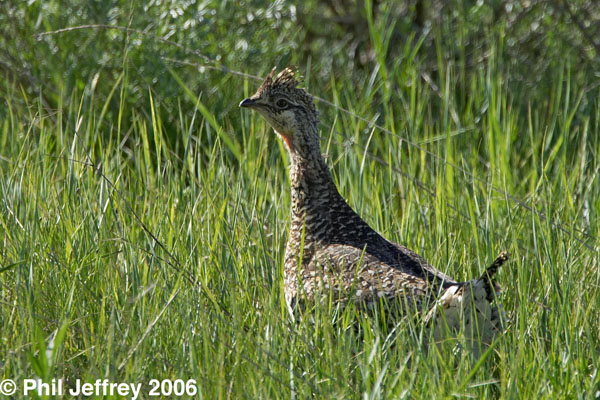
x=247, y=102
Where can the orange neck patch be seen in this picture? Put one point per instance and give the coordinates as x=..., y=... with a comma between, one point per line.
x=287, y=139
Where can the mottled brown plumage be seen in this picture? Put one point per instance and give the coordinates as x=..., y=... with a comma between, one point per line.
x=331, y=250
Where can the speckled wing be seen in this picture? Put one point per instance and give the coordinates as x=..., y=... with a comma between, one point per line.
x=434, y=271
x=354, y=275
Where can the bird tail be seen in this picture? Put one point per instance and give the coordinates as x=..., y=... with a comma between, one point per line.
x=488, y=276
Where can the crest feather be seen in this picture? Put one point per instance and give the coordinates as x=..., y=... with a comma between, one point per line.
x=268, y=81
x=286, y=78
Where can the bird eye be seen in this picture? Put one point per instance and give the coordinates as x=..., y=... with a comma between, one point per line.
x=282, y=103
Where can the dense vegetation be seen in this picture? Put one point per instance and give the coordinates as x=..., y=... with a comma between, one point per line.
x=144, y=216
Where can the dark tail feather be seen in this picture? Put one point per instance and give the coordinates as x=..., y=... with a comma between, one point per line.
x=492, y=269
x=488, y=275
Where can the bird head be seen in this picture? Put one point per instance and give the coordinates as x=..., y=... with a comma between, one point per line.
x=288, y=109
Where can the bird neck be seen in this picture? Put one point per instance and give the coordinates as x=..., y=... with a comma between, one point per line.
x=312, y=185
x=309, y=173
x=320, y=215
x=312, y=189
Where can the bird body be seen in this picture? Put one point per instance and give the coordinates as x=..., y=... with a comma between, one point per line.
x=331, y=250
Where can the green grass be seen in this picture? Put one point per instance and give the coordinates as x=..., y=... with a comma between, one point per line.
x=147, y=242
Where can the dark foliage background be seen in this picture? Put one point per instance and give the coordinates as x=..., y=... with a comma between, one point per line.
x=537, y=40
